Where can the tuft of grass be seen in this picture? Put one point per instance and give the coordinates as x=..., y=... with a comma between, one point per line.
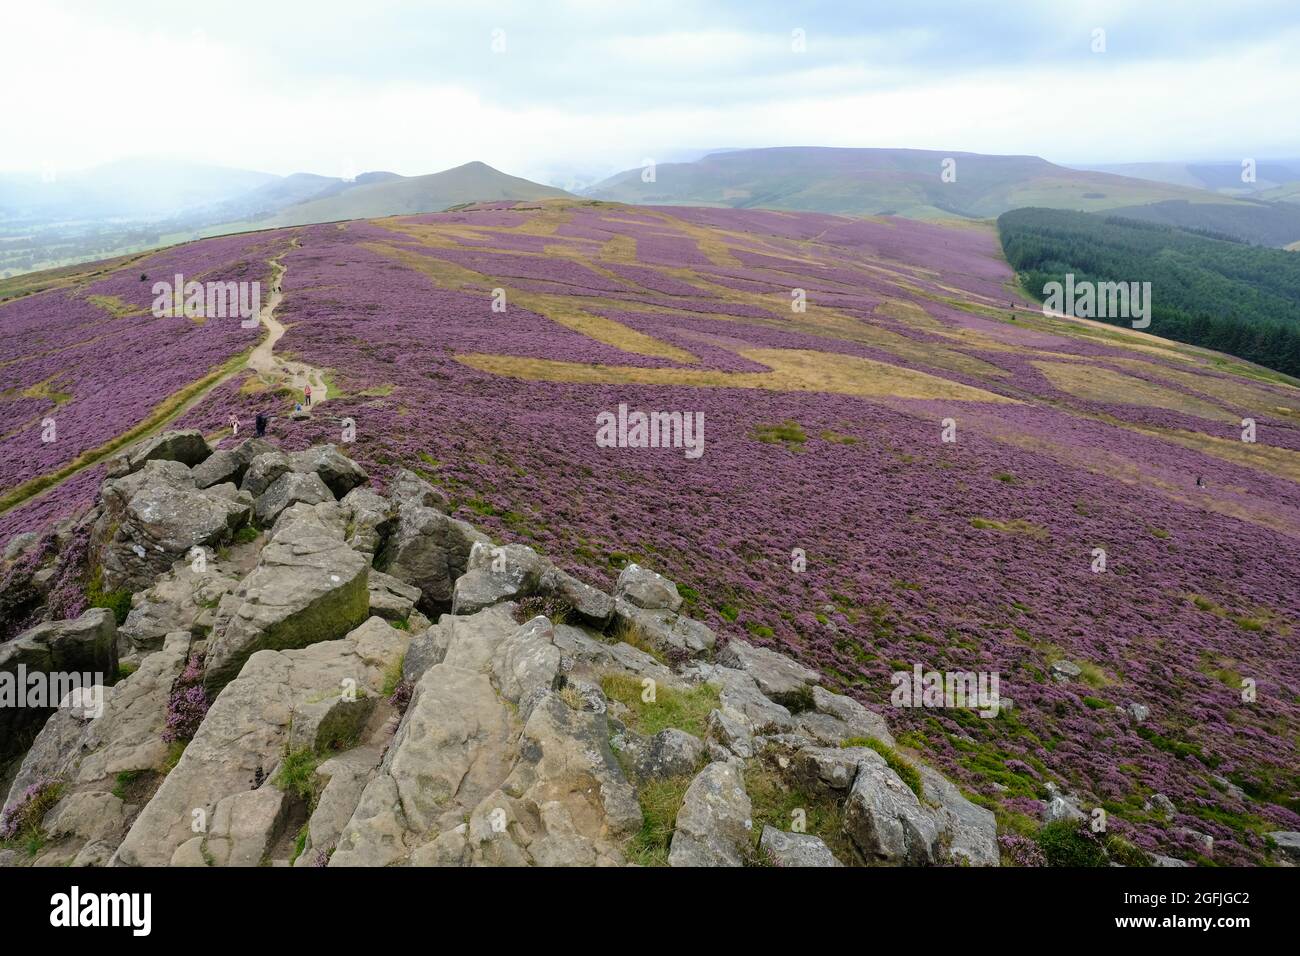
x=1126, y=853
x=789, y=433
x=774, y=804
x=906, y=772
x=837, y=438
x=1014, y=526
x=297, y=775
x=119, y=602
x=126, y=670
x=660, y=800
x=393, y=676
x=629, y=632
x=686, y=710
x=174, y=752
x=245, y=535
x=123, y=781
x=300, y=843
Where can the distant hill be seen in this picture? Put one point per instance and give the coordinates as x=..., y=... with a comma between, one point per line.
x=1224, y=177
x=137, y=205
x=387, y=194
x=904, y=182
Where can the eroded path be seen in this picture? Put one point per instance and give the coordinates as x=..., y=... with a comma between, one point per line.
x=273, y=369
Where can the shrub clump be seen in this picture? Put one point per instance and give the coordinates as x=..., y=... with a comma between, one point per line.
x=24, y=818
x=400, y=697
x=1071, y=843
x=547, y=606
x=187, y=704
x=1020, y=850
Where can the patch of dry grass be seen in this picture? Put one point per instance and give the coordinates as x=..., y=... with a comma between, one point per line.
x=792, y=370
x=1097, y=384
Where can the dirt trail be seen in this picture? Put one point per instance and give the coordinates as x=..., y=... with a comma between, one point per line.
x=273, y=369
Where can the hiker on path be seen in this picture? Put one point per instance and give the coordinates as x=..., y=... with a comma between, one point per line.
x=307, y=393
x=261, y=424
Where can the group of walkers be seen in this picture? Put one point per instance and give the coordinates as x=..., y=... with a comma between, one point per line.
x=262, y=419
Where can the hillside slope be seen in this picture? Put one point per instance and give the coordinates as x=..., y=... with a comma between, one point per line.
x=903, y=182
x=823, y=435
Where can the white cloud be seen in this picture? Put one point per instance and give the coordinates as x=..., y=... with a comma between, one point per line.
x=99, y=90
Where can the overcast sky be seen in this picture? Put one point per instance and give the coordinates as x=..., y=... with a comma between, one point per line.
x=594, y=86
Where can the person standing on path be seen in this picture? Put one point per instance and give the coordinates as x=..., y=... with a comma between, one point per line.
x=307, y=393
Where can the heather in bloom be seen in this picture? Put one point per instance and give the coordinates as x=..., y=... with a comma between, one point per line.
x=187, y=703
x=26, y=814
x=971, y=556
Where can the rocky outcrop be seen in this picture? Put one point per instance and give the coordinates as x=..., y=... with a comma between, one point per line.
x=228, y=465
x=182, y=599
x=714, y=823
x=1287, y=843
x=84, y=648
x=290, y=488
x=496, y=736
x=316, y=698
x=336, y=471
x=496, y=573
x=431, y=551
x=155, y=516
x=108, y=765
x=795, y=849
x=371, y=519
x=644, y=588
x=308, y=586
x=187, y=447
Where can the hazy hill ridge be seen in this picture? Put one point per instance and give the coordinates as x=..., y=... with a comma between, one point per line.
x=905, y=182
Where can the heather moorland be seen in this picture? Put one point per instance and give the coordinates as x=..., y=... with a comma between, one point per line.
x=877, y=397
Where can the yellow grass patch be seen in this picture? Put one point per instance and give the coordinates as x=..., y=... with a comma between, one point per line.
x=114, y=306
x=792, y=370
x=46, y=389
x=446, y=274
x=1232, y=391
x=620, y=249
x=1097, y=384
x=564, y=310
x=709, y=241
x=830, y=323
x=909, y=313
